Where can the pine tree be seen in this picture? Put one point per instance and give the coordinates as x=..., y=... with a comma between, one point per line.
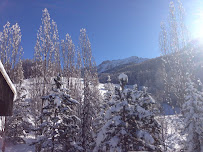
x=91, y=93
x=78, y=64
x=47, y=56
x=68, y=50
x=129, y=122
x=17, y=52
x=6, y=43
x=173, y=27
x=183, y=31
x=18, y=125
x=46, y=60
x=78, y=90
x=193, y=117
x=56, y=49
x=110, y=89
x=11, y=50
x=104, y=106
x=146, y=110
x=177, y=55
x=38, y=61
x=59, y=129
x=20, y=72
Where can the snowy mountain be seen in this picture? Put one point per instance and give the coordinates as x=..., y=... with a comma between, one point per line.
x=107, y=65
x=149, y=73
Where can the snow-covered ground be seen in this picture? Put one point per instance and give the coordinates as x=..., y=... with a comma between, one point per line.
x=19, y=147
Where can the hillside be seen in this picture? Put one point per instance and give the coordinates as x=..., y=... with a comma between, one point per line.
x=149, y=73
x=108, y=65
x=142, y=74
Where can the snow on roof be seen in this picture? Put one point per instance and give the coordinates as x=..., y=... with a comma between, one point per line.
x=8, y=80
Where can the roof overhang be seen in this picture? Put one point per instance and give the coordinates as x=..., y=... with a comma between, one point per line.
x=8, y=80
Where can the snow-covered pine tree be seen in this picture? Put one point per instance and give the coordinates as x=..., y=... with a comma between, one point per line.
x=59, y=129
x=38, y=60
x=19, y=72
x=46, y=60
x=104, y=105
x=129, y=123
x=68, y=50
x=69, y=66
x=193, y=117
x=18, y=125
x=149, y=128
x=56, y=49
x=78, y=85
x=178, y=58
x=17, y=52
x=91, y=92
x=5, y=47
x=110, y=89
x=10, y=49
x=112, y=135
x=47, y=56
x=108, y=94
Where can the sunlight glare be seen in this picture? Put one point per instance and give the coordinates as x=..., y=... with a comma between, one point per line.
x=197, y=31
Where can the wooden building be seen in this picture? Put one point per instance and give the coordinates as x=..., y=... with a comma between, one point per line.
x=7, y=93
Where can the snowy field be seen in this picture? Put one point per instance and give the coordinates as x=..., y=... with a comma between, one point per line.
x=19, y=147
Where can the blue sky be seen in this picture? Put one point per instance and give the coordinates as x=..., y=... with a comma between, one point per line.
x=117, y=28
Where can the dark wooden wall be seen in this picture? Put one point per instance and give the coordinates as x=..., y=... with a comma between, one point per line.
x=6, y=98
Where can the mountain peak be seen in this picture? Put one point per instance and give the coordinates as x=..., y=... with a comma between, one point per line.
x=107, y=65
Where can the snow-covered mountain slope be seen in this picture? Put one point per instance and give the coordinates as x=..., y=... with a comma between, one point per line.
x=107, y=65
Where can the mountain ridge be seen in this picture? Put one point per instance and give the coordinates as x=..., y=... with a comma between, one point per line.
x=149, y=73
x=110, y=64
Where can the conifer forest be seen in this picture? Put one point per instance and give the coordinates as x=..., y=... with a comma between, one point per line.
x=66, y=102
